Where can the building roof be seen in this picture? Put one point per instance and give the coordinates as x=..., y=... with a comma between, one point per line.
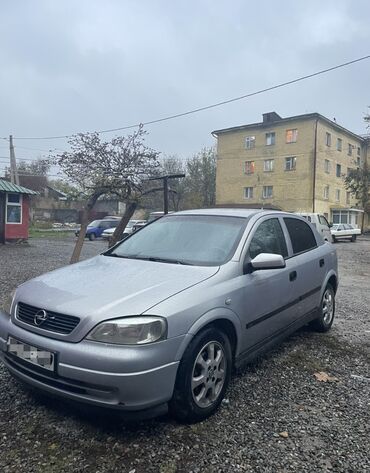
x=6, y=186
x=275, y=119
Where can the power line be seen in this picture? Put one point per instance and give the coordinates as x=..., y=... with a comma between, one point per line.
x=38, y=149
x=208, y=107
x=35, y=160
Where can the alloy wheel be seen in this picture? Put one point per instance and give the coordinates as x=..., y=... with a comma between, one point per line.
x=208, y=374
x=327, y=306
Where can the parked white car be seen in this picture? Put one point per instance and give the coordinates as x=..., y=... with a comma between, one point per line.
x=344, y=231
x=128, y=230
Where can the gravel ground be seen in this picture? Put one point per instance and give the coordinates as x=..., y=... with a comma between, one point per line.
x=277, y=417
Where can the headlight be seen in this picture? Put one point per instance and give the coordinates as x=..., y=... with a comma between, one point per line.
x=7, y=306
x=130, y=330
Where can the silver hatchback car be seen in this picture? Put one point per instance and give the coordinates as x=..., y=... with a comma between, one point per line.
x=161, y=319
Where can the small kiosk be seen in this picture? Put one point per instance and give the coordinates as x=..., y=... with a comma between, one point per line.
x=14, y=211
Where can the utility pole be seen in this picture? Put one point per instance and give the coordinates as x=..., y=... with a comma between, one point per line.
x=165, y=187
x=14, y=179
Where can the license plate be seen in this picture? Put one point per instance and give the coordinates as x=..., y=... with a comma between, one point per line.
x=35, y=355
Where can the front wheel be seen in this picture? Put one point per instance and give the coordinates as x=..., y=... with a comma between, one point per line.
x=326, y=311
x=353, y=238
x=203, y=376
x=92, y=236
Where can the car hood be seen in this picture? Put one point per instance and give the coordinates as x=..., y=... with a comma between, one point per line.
x=105, y=287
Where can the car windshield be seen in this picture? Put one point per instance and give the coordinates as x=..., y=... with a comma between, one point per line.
x=184, y=239
x=95, y=223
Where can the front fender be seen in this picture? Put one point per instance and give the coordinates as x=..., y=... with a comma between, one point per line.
x=327, y=277
x=220, y=313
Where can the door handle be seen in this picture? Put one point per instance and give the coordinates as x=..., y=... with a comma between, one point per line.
x=292, y=275
x=321, y=262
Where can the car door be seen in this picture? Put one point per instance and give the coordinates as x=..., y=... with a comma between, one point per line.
x=268, y=295
x=324, y=228
x=309, y=260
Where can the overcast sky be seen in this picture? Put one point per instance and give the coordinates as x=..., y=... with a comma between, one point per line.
x=69, y=66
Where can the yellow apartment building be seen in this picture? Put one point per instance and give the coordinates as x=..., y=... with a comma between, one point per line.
x=293, y=164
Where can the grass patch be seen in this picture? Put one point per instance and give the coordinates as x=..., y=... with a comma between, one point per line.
x=41, y=233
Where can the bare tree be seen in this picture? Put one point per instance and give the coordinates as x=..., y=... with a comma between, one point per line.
x=201, y=179
x=118, y=167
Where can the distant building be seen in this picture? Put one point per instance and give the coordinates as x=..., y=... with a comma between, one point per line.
x=14, y=211
x=294, y=164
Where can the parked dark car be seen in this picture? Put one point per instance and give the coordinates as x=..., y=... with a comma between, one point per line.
x=96, y=228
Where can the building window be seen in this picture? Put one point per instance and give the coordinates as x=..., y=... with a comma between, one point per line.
x=358, y=161
x=348, y=198
x=249, y=167
x=326, y=192
x=291, y=135
x=350, y=149
x=339, y=170
x=14, y=208
x=248, y=192
x=328, y=139
x=268, y=165
x=270, y=138
x=337, y=195
x=250, y=142
x=358, y=151
x=290, y=163
x=327, y=166
x=267, y=192
x=339, y=144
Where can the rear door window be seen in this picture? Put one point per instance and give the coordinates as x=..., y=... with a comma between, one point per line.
x=301, y=235
x=268, y=238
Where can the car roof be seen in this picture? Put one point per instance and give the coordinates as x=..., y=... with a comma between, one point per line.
x=227, y=212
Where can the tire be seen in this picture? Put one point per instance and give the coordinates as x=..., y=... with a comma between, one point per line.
x=326, y=311
x=92, y=236
x=193, y=403
x=334, y=239
x=353, y=238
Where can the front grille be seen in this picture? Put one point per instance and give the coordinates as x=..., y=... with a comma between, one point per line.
x=54, y=322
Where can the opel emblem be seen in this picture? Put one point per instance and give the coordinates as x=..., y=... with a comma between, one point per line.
x=40, y=317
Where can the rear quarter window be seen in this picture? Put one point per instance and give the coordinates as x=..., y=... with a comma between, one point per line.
x=301, y=235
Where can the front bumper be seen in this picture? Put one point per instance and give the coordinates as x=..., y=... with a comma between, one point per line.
x=127, y=378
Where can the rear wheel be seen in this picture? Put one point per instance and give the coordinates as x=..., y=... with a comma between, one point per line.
x=353, y=238
x=334, y=239
x=203, y=376
x=326, y=311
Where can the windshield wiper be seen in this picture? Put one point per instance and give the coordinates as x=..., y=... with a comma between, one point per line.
x=164, y=260
x=115, y=255
x=150, y=258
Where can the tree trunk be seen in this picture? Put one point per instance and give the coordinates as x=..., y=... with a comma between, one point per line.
x=118, y=232
x=81, y=237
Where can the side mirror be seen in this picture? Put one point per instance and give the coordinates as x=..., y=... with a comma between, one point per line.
x=268, y=261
